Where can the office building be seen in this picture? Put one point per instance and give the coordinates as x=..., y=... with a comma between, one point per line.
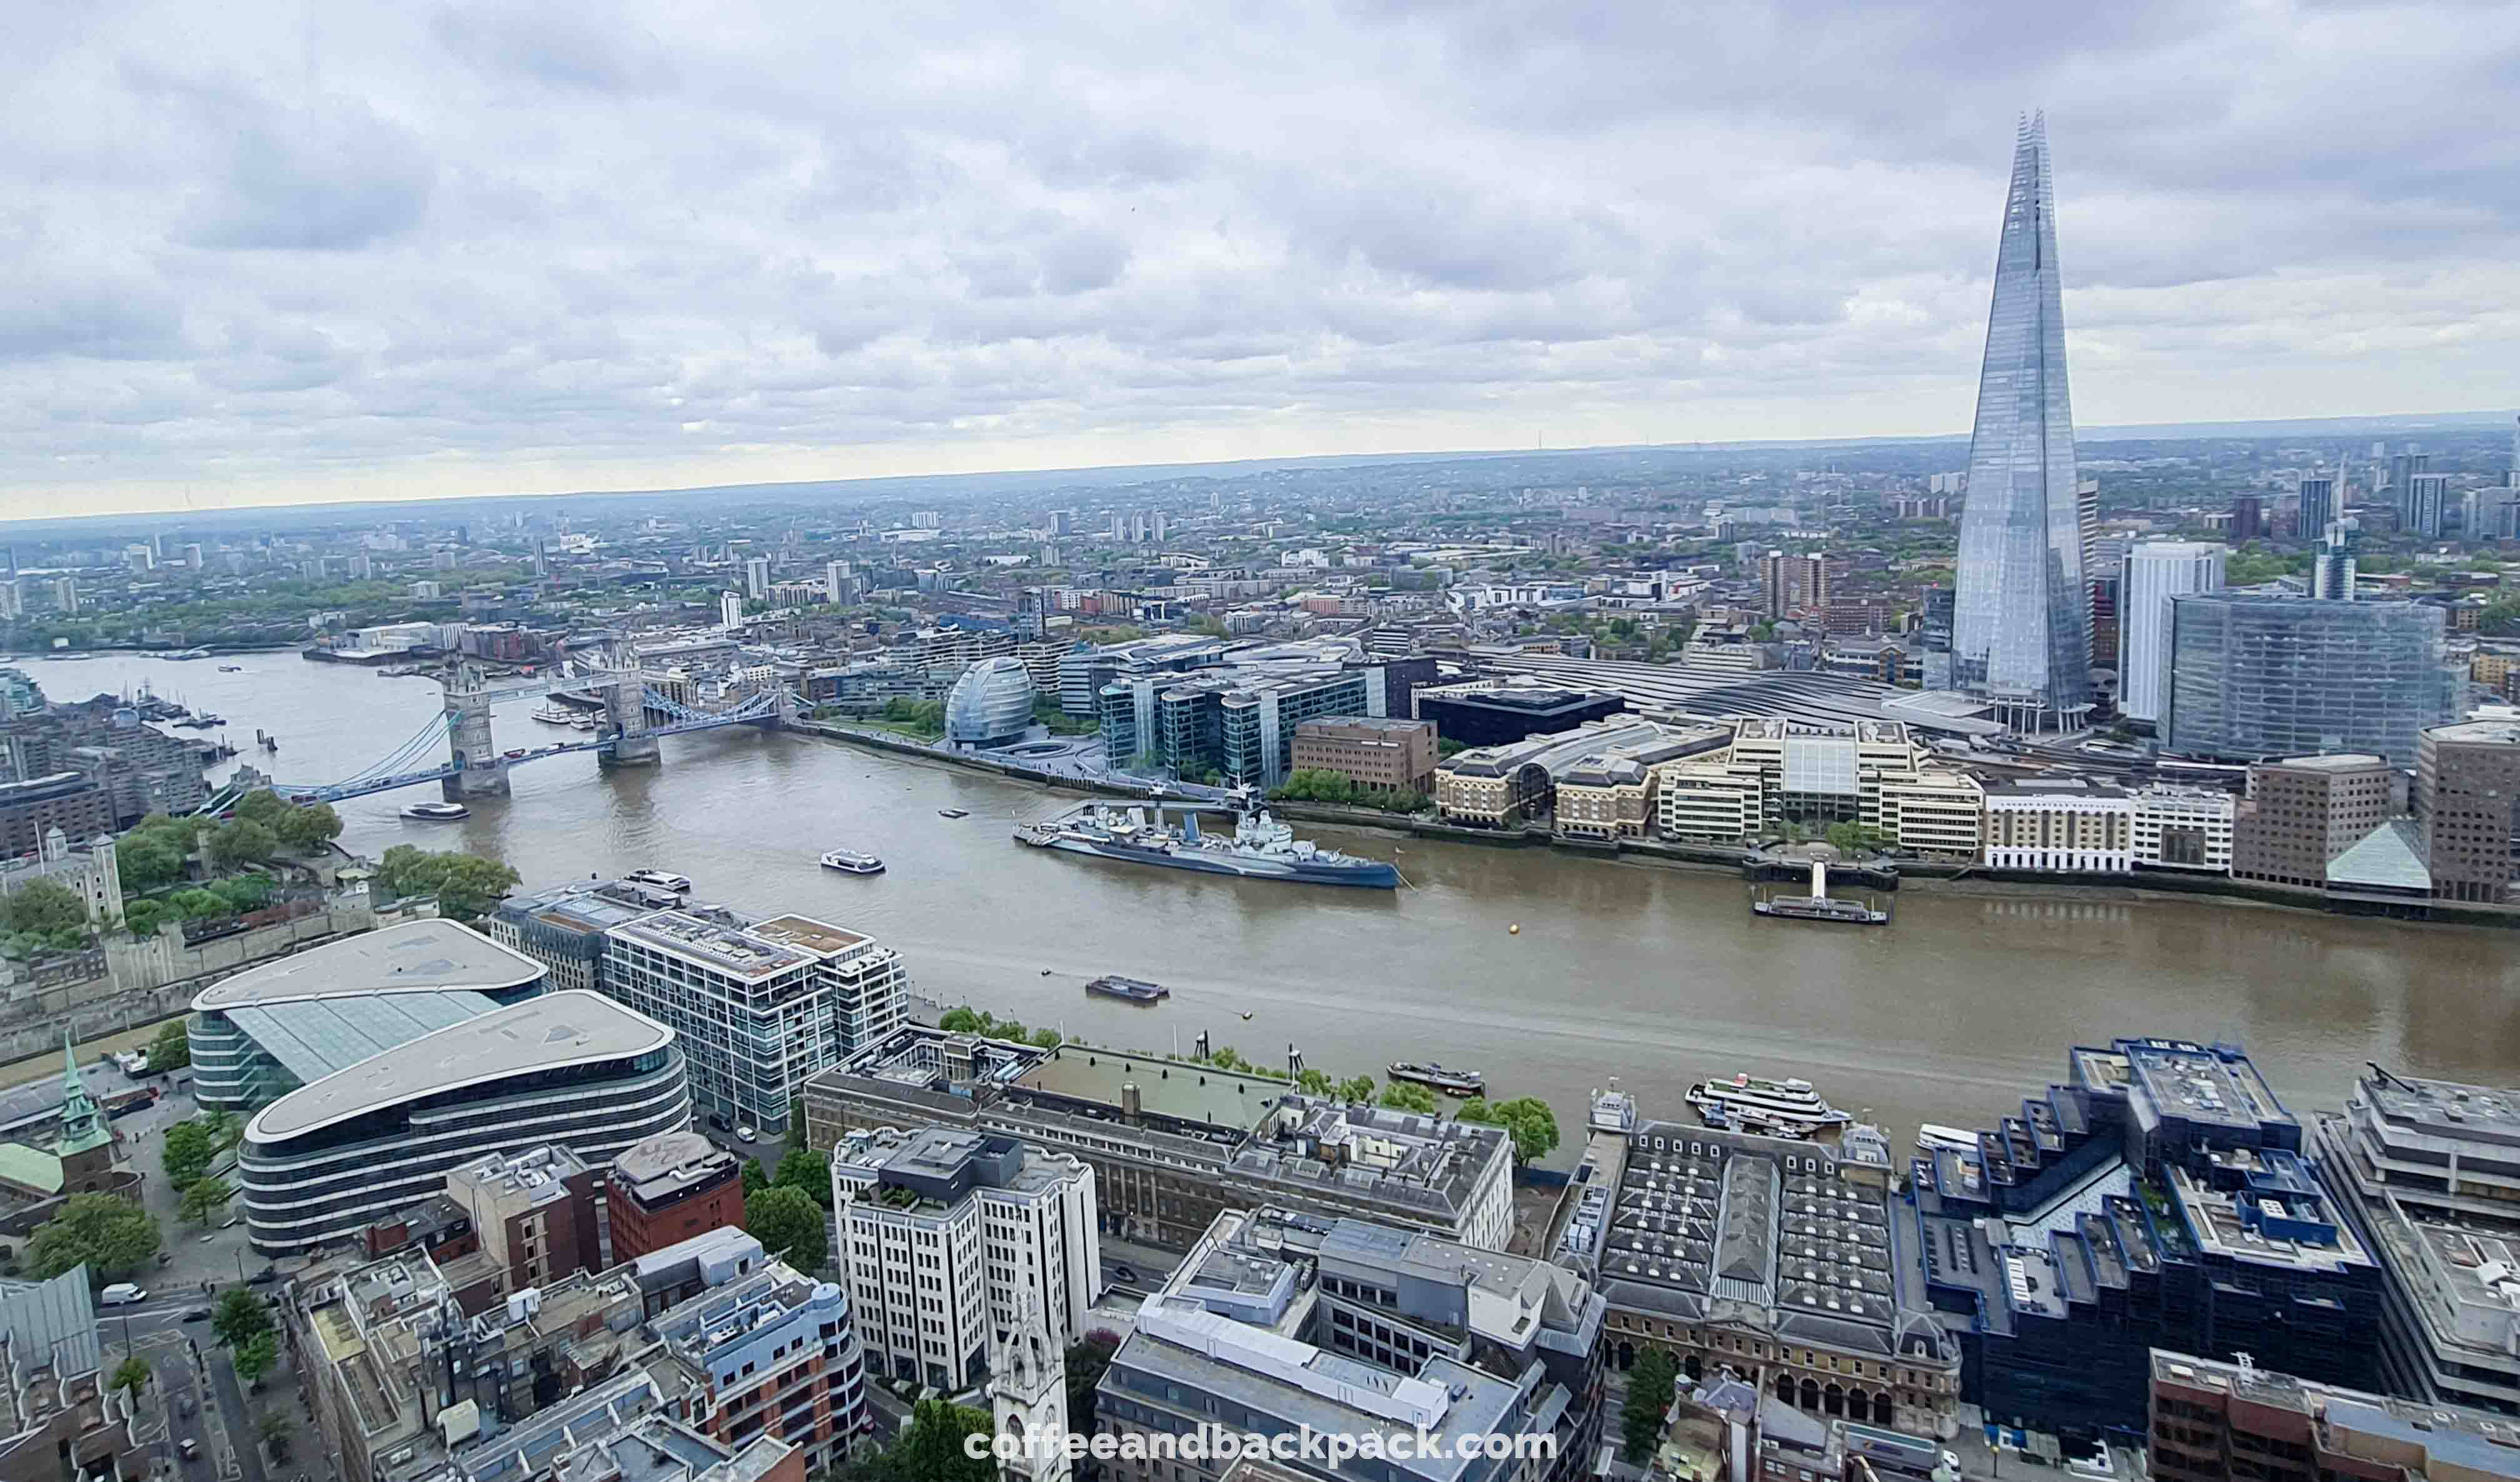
x=771, y=1351
x=730, y=611
x=2428, y=1172
x=2248, y=518
x=2319, y=505
x=1390, y=752
x=1781, y=1260
x=1614, y=767
x=840, y=584
x=616, y=1432
x=534, y=1212
x=326, y=1160
x=990, y=705
x=1171, y=1143
x=2468, y=798
x=2021, y=619
x=2305, y=811
x=1794, y=583
x=69, y=801
x=2156, y=571
x=761, y=1005
x=2158, y=1197
x=2212, y=1421
x=1933, y=814
x=2332, y=573
x=272, y=1029
x=951, y=1239
x=669, y=1189
x=1776, y=771
x=1491, y=714
x=756, y=578
x=2256, y=677
x=1236, y=719
x=563, y=928
x=1278, y=1321
x=2183, y=829
x=2059, y=824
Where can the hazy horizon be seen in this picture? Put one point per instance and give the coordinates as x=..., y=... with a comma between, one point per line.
x=281, y=255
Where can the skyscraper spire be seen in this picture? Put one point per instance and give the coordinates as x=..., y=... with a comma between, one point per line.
x=2020, y=632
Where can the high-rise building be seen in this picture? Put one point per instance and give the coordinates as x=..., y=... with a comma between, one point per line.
x=2156, y=571
x=2253, y=676
x=2305, y=811
x=2248, y=518
x=840, y=584
x=2468, y=798
x=2318, y=504
x=2331, y=574
x=1794, y=583
x=65, y=597
x=756, y=578
x=1934, y=633
x=2426, y=493
x=730, y=609
x=949, y=1238
x=2021, y=623
x=2403, y=465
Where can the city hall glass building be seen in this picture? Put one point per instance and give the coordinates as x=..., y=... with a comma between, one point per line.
x=2255, y=677
x=2021, y=620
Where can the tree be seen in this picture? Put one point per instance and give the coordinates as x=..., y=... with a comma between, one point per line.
x=1087, y=1358
x=262, y=805
x=789, y=1224
x=241, y=1317
x=242, y=841
x=754, y=1178
x=143, y=918
x=106, y=1234
x=466, y=885
x=257, y=1357
x=1649, y=1395
x=1048, y=1039
x=226, y=1129
x=277, y=1430
x=147, y=861
x=805, y=1169
x=198, y=905
x=170, y=1049
x=932, y=1449
x=188, y=1150
x=307, y=827
x=244, y=892
x=1314, y=1082
x=1356, y=1088
x=1852, y=838
x=132, y=1374
x=1527, y=1119
x=204, y=1199
x=1400, y=1096
x=45, y=906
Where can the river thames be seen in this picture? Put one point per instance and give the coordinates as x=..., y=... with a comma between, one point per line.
x=1653, y=976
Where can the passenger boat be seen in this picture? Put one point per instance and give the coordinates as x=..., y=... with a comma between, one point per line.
x=1934, y=1136
x=1451, y=1082
x=231, y=668
x=1750, y=1103
x=1803, y=908
x=659, y=880
x=553, y=715
x=850, y=862
x=952, y=813
x=437, y=813
x=1135, y=990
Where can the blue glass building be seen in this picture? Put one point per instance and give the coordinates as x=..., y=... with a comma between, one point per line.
x=2021, y=618
x=2254, y=677
x=991, y=705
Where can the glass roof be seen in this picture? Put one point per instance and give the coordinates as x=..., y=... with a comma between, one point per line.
x=313, y=1038
x=2391, y=857
x=1819, y=764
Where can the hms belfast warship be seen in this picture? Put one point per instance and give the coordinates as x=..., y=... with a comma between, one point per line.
x=1259, y=848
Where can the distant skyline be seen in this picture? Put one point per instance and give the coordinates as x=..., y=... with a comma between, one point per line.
x=289, y=253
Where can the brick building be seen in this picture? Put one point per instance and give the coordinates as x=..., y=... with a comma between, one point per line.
x=1384, y=752
x=668, y=1189
x=2305, y=810
x=2467, y=782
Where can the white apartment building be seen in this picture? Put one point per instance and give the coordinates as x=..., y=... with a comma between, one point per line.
x=761, y=1005
x=2157, y=570
x=2183, y=829
x=952, y=1239
x=2059, y=824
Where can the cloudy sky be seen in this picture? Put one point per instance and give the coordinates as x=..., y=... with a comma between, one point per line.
x=258, y=253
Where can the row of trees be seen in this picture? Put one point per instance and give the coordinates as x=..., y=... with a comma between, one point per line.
x=191, y=1148
x=1314, y=785
x=265, y=826
x=41, y=917
x=1527, y=1119
x=467, y=885
x=925, y=717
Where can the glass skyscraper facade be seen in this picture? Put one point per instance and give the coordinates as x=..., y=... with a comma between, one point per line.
x=2253, y=678
x=2021, y=619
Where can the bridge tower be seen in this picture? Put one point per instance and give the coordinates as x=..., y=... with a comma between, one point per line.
x=479, y=769
x=625, y=713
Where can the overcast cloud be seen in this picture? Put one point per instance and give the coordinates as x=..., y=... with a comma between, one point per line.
x=266, y=253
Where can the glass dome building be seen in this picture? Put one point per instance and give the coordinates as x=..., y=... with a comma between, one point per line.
x=991, y=705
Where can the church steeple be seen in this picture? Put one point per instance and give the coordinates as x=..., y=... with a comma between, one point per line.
x=83, y=1128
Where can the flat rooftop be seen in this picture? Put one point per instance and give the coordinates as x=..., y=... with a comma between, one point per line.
x=433, y=956
x=2479, y=733
x=2445, y=1108
x=820, y=937
x=1176, y=1089
x=728, y=950
x=541, y=1033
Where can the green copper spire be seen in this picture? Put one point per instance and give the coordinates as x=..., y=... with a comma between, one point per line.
x=82, y=1125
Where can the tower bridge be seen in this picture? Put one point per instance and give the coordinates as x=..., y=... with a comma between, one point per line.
x=638, y=708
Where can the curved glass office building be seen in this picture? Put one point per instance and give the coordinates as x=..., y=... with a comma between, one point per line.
x=574, y=1068
x=2256, y=677
x=991, y=705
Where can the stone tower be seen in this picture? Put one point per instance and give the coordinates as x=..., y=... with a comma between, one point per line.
x=1028, y=1393
x=86, y=1143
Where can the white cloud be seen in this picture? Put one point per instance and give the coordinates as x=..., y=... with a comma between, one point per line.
x=294, y=251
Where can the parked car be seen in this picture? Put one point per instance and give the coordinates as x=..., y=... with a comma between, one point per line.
x=198, y=1314
x=264, y=1277
x=122, y=1294
x=745, y=1134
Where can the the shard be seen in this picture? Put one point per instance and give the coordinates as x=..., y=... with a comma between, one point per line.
x=2021, y=615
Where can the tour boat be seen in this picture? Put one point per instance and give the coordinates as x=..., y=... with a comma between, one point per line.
x=1426, y=1073
x=437, y=813
x=659, y=880
x=850, y=862
x=1753, y=1103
